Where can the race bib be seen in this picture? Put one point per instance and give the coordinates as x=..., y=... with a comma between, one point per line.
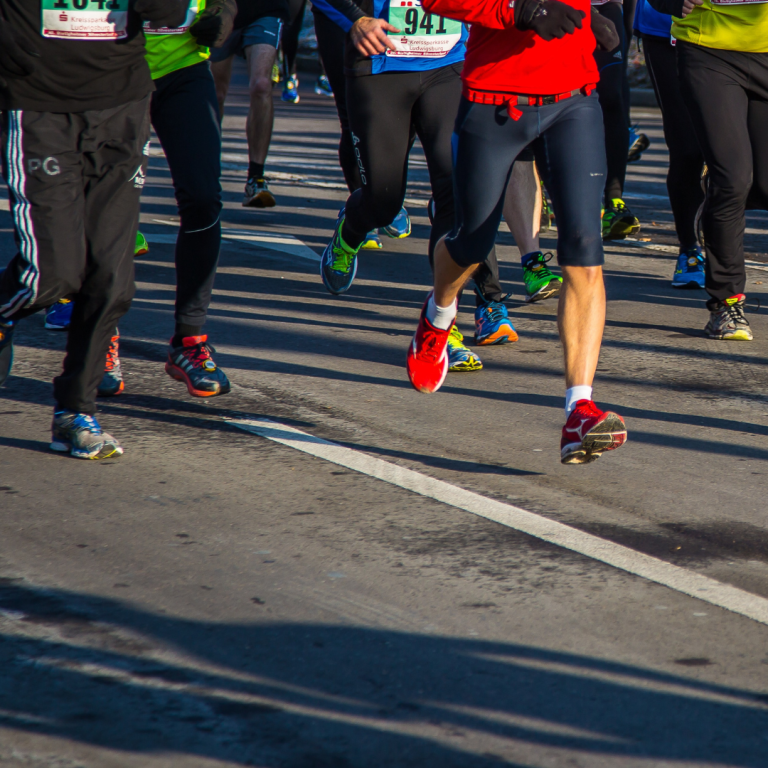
x=421, y=33
x=194, y=6
x=84, y=19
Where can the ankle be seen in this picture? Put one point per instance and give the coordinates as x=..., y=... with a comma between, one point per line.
x=574, y=394
x=440, y=317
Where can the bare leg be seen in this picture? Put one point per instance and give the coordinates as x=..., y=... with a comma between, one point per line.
x=522, y=206
x=449, y=276
x=222, y=74
x=261, y=116
x=580, y=320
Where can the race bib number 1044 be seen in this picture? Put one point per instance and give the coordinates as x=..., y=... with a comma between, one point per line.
x=84, y=19
x=421, y=33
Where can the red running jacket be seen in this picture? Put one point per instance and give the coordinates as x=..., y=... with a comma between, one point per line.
x=502, y=60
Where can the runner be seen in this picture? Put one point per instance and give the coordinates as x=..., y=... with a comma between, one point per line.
x=529, y=80
x=184, y=114
x=722, y=61
x=397, y=87
x=331, y=28
x=685, y=158
x=255, y=38
x=613, y=92
x=75, y=130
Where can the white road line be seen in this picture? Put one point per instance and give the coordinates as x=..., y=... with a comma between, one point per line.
x=626, y=559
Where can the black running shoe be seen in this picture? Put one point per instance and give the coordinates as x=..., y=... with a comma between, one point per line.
x=192, y=363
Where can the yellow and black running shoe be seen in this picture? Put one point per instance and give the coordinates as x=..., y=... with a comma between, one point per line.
x=618, y=221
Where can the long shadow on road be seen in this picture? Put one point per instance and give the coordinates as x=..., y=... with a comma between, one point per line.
x=105, y=673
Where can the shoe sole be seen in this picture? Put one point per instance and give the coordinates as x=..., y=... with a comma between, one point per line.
x=113, y=450
x=176, y=373
x=141, y=252
x=608, y=435
x=371, y=245
x=49, y=327
x=548, y=291
x=262, y=200
x=465, y=368
x=687, y=286
x=738, y=336
x=500, y=337
x=622, y=232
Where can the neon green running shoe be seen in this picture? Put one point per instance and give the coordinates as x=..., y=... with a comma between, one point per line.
x=540, y=282
x=338, y=265
x=460, y=357
x=618, y=221
x=142, y=246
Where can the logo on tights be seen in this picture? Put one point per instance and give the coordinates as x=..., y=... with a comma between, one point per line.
x=138, y=178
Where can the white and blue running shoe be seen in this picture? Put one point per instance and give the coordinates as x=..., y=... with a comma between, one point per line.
x=689, y=270
x=80, y=435
x=400, y=227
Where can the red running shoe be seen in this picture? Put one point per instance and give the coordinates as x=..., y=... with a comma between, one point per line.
x=427, y=360
x=193, y=364
x=590, y=431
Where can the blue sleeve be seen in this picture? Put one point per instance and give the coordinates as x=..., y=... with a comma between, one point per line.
x=345, y=19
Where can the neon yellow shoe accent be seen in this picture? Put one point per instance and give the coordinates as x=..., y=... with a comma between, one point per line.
x=460, y=357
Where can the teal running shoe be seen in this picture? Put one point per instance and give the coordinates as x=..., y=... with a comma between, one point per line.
x=291, y=90
x=338, y=265
x=59, y=315
x=372, y=241
x=80, y=435
x=492, y=323
x=460, y=357
x=689, y=270
x=539, y=281
x=6, y=349
x=401, y=226
x=112, y=381
x=323, y=87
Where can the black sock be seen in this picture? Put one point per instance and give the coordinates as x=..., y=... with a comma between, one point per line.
x=182, y=331
x=255, y=170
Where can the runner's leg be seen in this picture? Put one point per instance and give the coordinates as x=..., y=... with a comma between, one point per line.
x=222, y=75
x=330, y=44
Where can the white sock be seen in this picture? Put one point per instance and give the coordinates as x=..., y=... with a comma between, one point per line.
x=574, y=394
x=440, y=317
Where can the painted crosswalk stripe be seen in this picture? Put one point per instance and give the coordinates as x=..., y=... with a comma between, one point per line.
x=621, y=557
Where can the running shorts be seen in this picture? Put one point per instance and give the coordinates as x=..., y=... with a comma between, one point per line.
x=263, y=31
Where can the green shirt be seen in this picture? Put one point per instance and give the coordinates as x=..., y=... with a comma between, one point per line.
x=172, y=49
x=729, y=26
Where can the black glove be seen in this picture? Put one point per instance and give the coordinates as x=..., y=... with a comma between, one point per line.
x=162, y=13
x=214, y=24
x=547, y=18
x=16, y=59
x=604, y=31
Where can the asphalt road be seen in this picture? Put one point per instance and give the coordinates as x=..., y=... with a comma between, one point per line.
x=213, y=598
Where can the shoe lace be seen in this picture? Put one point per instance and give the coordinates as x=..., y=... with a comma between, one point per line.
x=429, y=349
x=734, y=313
x=543, y=271
x=495, y=310
x=113, y=358
x=198, y=354
x=587, y=409
x=86, y=422
x=342, y=259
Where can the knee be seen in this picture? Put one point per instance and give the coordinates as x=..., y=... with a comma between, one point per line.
x=261, y=87
x=587, y=278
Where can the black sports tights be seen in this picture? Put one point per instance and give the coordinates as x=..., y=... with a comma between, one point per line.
x=331, y=40
x=685, y=157
x=611, y=91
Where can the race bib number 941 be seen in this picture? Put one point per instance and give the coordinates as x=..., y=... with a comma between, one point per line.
x=421, y=33
x=84, y=19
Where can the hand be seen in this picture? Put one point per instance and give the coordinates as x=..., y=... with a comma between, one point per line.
x=16, y=59
x=369, y=37
x=162, y=13
x=605, y=32
x=549, y=19
x=214, y=24
x=689, y=5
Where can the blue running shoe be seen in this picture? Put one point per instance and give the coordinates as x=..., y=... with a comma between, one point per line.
x=492, y=323
x=460, y=357
x=338, y=265
x=689, y=271
x=58, y=315
x=401, y=226
x=291, y=90
x=323, y=87
x=80, y=435
x=6, y=349
x=372, y=241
